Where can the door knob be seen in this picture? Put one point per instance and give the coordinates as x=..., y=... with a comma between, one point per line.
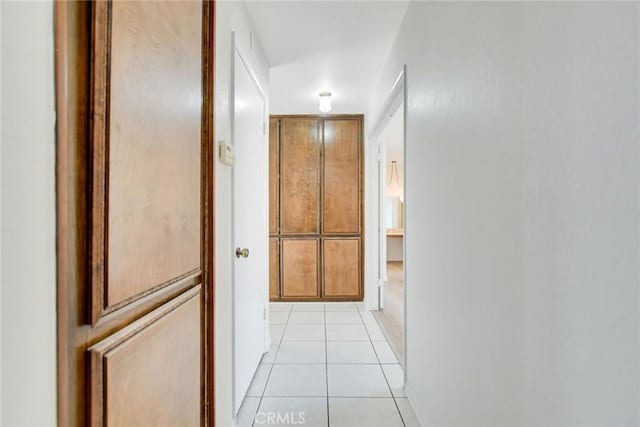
x=244, y=253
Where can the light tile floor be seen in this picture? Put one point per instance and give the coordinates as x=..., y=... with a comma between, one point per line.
x=330, y=364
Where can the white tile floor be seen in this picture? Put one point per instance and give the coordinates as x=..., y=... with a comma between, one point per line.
x=331, y=363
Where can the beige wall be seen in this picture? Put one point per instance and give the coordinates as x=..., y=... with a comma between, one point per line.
x=522, y=201
x=27, y=306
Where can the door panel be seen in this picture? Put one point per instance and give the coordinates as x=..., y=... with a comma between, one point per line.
x=341, y=261
x=341, y=177
x=250, y=228
x=274, y=172
x=148, y=374
x=274, y=268
x=134, y=183
x=154, y=183
x=300, y=267
x=300, y=176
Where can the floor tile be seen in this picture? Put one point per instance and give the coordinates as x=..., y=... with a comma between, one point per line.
x=247, y=412
x=395, y=378
x=270, y=356
x=343, y=317
x=279, y=306
x=408, y=415
x=301, y=352
x=340, y=306
x=304, y=333
x=368, y=318
x=287, y=411
x=297, y=380
x=308, y=306
x=276, y=333
x=304, y=317
x=337, y=332
x=350, y=352
x=278, y=317
x=256, y=388
x=384, y=352
x=375, y=333
x=358, y=412
x=357, y=381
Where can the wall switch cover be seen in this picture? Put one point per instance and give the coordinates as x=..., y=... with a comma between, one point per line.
x=227, y=154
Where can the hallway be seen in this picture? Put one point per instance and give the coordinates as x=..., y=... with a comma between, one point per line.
x=329, y=363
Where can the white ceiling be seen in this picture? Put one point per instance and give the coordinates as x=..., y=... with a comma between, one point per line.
x=313, y=46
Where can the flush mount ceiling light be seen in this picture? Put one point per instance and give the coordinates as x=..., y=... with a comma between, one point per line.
x=324, y=102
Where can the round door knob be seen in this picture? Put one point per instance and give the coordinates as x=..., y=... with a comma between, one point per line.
x=244, y=253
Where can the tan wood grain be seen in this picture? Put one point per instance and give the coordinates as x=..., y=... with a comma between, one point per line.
x=341, y=273
x=148, y=374
x=154, y=145
x=274, y=268
x=274, y=174
x=300, y=267
x=341, y=177
x=300, y=176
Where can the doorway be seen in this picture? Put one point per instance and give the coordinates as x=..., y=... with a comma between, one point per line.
x=391, y=313
x=249, y=227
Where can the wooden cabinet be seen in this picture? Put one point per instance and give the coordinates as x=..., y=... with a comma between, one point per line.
x=274, y=268
x=316, y=208
x=300, y=268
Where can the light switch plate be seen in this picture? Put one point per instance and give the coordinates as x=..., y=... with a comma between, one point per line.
x=227, y=154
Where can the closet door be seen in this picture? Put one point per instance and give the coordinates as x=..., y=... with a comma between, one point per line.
x=274, y=268
x=342, y=268
x=274, y=174
x=300, y=268
x=341, y=195
x=299, y=176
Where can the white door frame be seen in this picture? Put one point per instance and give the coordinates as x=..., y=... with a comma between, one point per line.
x=397, y=96
x=237, y=49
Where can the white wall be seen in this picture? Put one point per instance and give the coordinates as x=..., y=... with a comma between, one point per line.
x=28, y=216
x=522, y=191
x=231, y=16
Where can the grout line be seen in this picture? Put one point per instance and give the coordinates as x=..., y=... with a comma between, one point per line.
x=326, y=362
x=275, y=356
x=383, y=374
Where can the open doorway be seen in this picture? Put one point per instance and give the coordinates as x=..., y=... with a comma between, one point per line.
x=391, y=313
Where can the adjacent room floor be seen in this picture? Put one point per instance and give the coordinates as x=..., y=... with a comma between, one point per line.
x=331, y=362
x=391, y=317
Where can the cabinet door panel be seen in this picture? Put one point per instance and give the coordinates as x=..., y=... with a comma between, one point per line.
x=300, y=268
x=299, y=176
x=341, y=184
x=341, y=260
x=274, y=269
x=274, y=184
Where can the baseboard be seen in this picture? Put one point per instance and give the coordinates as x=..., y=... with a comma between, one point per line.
x=419, y=415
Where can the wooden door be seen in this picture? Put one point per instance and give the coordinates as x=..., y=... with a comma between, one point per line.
x=300, y=176
x=274, y=175
x=134, y=184
x=300, y=278
x=341, y=200
x=274, y=268
x=342, y=268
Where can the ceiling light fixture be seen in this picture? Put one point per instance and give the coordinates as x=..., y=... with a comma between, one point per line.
x=324, y=102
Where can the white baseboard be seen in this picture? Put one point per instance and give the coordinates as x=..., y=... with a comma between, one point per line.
x=422, y=420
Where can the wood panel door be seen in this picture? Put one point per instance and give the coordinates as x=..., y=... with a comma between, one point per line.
x=274, y=175
x=342, y=268
x=300, y=176
x=274, y=268
x=300, y=269
x=341, y=186
x=134, y=188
